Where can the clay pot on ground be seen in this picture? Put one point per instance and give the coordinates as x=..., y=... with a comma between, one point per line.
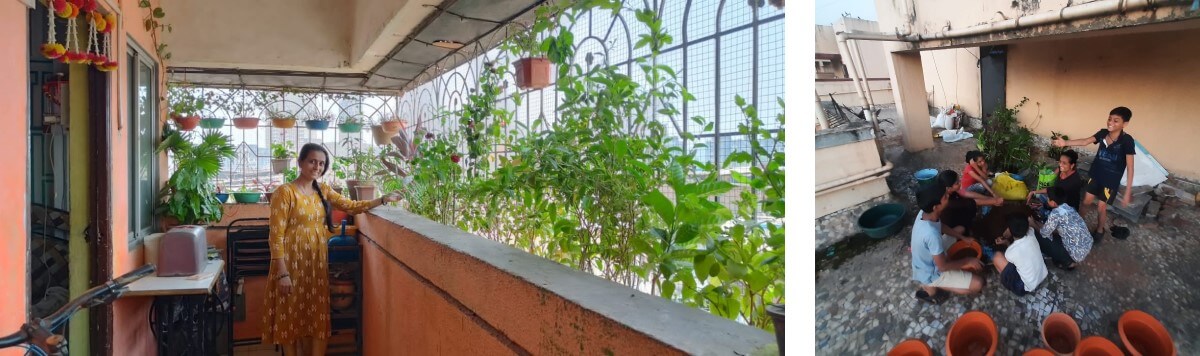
x=965, y=249
x=974, y=333
x=1142, y=334
x=245, y=123
x=1097, y=346
x=337, y=288
x=1060, y=333
x=1038, y=352
x=911, y=347
x=365, y=191
x=186, y=123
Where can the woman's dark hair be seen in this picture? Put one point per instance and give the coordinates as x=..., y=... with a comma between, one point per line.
x=307, y=149
x=1071, y=156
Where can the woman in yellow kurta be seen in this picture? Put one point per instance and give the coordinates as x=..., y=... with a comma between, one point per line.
x=297, y=303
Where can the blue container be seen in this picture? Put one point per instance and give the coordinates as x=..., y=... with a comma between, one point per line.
x=882, y=220
x=338, y=251
x=316, y=125
x=222, y=197
x=926, y=177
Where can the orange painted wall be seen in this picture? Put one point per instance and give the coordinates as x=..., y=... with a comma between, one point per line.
x=402, y=315
x=131, y=335
x=14, y=89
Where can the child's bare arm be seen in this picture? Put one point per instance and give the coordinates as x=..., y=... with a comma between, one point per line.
x=1058, y=142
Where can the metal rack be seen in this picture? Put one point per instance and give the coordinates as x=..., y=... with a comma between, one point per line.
x=350, y=320
x=249, y=253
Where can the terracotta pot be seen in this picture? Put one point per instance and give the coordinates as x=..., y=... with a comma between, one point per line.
x=187, y=123
x=278, y=165
x=1038, y=352
x=911, y=347
x=364, y=191
x=1060, y=333
x=341, y=286
x=974, y=333
x=533, y=73
x=337, y=216
x=1097, y=346
x=1142, y=334
x=965, y=249
x=283, y=122
x=350, y=184
x=245, y=123
x=381, y=135
x=393, y=126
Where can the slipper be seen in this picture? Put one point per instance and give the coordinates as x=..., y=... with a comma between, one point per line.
x=1067, y=267
x=1120, y=232
x=1096, y=236
x=931, y=299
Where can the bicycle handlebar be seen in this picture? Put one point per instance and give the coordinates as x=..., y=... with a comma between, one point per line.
x=98, y=295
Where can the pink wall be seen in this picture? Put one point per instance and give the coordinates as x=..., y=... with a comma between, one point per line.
x=131, y=335
x=14, y=89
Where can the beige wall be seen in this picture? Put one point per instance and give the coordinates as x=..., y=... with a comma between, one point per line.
x=1076, y=82
x=952, y=77
x=870, y=51
x=842, y=161
x=826, y=41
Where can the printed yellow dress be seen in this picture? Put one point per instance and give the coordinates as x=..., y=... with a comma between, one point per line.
x=298, y=234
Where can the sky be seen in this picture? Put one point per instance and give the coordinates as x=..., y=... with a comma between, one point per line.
x=829, y=11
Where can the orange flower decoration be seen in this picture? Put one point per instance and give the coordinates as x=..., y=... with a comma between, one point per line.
x=53, y=50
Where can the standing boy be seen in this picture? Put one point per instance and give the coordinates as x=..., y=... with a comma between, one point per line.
x=1114, y=156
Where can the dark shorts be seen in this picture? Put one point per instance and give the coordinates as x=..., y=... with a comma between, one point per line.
x=1011, y=280
x=1106, y=195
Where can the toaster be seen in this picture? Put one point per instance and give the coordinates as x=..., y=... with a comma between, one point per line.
x=182, y=251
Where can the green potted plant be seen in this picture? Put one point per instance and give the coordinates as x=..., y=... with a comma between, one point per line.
x=290, y=174
x=268, y=188
x=185, y=106
x=533, y=69
x=350, y=124
x=245, y=114
x=316, y=117
x=358, y=169
x=281, y=157
x=247, y=195
x=215, y=103
x=189, y=195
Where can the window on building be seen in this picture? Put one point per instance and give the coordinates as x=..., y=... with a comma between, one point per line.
x=142, y=131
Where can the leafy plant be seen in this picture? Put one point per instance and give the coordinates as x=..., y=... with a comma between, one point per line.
x=290, y=174
x=282, y=150
x=188, y=195
x=153, y=25
x=360, y=164
x=1009, y=145
x=183, y=100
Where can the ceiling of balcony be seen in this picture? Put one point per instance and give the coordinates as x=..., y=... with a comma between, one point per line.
x=336, y=45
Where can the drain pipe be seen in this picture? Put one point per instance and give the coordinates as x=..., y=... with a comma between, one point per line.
x=1069, y=13
x=848, y=60
x=844, y=48
x=821, y=118
x=862, y=70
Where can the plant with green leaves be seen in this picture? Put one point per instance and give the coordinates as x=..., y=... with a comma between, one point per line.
x=290, y=174
x=1010, y=146
x=188, y=195
x=282, y=150
x=183, y=100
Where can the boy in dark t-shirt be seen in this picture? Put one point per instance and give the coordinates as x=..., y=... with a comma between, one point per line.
x=1113, y=158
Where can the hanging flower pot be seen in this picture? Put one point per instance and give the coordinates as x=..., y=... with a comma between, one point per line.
x=1142, y=334
x=350, y=127
x=381, y=135
x=342, y=294
x=211, y=123
x=279, y=165
x=318, y=125
x=247, y=198
x=911, y=347
x=533, y=73
x=283, y=122
x=222, y=197
x=393, y=126
x=1098, y=346
x=246, y=123
x=186, y=123
x=974, y=333
x=1060, y=333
